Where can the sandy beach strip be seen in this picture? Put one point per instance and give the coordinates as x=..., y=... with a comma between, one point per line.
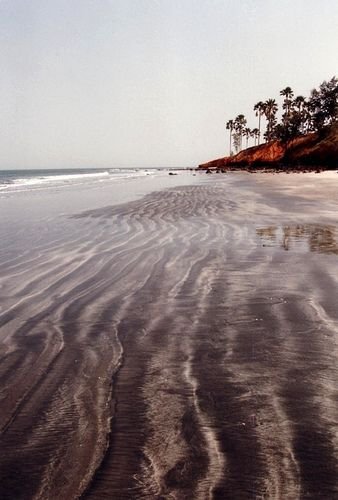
x=183, y=345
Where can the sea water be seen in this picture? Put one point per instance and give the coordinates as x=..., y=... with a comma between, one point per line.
x=14, y=181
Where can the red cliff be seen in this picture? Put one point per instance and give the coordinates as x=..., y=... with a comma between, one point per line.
x=315, y=149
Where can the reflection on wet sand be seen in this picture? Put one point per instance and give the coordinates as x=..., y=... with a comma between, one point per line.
x=159, y=352
x=319, y=238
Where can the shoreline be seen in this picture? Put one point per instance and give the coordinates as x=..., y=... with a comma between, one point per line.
x=269, y=169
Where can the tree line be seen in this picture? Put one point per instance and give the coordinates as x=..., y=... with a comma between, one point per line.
x=300, y=116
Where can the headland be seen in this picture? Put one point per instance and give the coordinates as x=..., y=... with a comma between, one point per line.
x=310, y=152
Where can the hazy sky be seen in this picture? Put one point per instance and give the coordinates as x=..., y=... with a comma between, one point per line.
x=103, y=83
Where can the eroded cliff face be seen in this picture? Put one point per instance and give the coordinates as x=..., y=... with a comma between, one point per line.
x=264, y=154
x=315, y=149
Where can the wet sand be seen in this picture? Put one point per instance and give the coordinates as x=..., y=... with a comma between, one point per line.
x=183, y=345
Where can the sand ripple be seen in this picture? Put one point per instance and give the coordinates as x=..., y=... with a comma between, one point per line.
x=181, y=346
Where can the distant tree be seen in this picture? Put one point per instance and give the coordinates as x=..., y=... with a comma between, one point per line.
x=299, y=106
x=293, y=119
x=299, y=102
x=316, y=111
x=255, y=135
x=260, y=109
x=288, y=95
x=247, y=135
x=307, y=118
x=286, y=132
x=329, y=97
x=300, y=115
x=230, y=126
x=323, y=104
x=240, y=123
x=270, y=111
x=279, y=132
x=237, y=139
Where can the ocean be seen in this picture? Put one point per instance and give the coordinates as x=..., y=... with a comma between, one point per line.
x=13, y=181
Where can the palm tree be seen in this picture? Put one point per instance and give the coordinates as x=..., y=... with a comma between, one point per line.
x=240, y=123
x=230, y=126
x=288, y=95
x=316, y=110
x=237, y=141
x=247, y=134
x=306, y=118
x=270, y=113
x=299, y=102
x=299, y=105
x=259, y=108
x=255, y=134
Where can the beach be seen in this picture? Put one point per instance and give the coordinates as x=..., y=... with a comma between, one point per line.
x=178, y=341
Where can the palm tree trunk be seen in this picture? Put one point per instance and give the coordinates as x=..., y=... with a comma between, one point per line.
x=259, y=126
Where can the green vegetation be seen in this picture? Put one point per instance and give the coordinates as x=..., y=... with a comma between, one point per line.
x=300, y=116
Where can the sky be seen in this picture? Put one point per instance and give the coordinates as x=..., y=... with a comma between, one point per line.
x=149, y=83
